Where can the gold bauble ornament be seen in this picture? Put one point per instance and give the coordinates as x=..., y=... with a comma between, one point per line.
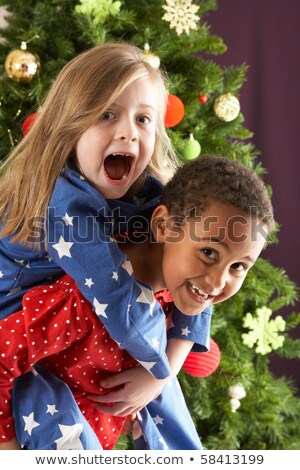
x=151, y=58
x=227, y=107
x=21, y=65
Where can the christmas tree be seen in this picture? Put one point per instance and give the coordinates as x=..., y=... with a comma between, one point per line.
x=242, y=405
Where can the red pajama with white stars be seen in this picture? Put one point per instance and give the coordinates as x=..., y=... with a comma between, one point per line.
x=58, y=328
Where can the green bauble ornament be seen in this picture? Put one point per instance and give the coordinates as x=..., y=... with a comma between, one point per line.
x=191, y=148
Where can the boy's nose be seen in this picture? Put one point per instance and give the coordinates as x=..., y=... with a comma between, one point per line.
x=216, y=280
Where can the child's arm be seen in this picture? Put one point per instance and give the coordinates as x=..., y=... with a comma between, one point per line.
x=138, y=386
x=177, y=352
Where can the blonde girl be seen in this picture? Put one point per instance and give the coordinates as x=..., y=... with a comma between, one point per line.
x=85, y=89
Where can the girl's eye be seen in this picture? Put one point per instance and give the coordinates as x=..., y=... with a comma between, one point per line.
x=144, y=119
x=238, y=267
x=209, y=253
x=107, y=116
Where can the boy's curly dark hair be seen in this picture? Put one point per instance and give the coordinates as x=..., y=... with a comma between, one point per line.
x=209, y=178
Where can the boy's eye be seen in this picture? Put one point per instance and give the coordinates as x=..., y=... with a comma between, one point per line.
x=238, y=267
x=107, y=116
x=144, y=119
x=209, y=253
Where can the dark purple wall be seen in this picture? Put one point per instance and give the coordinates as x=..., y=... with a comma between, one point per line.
x=265, y=34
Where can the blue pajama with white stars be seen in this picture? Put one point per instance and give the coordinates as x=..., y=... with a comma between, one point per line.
x=80, y=227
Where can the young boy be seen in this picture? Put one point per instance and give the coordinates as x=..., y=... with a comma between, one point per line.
x=211, y=224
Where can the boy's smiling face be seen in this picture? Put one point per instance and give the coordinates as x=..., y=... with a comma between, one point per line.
x=206, y=260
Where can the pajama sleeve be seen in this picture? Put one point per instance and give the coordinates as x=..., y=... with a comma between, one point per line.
x=31, y=334
x=79, y=240
x=193, y=328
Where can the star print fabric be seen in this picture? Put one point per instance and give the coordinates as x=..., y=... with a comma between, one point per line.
x=79, y=236
x=80, y=227
x=55, y=422
x=129, y=311
x=159, y=426
x=58, y=328
x=85, y=249
x=165, y=423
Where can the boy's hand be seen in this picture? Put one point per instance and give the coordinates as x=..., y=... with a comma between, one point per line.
x=139, y=388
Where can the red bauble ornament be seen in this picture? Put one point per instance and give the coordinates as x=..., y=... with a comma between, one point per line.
x=175, y=111
x=28, y=122
x=203, y=364
x=202, y=98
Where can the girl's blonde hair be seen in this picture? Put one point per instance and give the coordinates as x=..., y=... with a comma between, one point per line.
x=82, y=91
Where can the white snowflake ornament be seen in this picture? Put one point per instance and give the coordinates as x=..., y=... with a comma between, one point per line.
x=263, y=331
x=181, y=14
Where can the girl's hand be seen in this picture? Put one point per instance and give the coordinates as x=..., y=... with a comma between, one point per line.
x=139, y=387
x=10, y=445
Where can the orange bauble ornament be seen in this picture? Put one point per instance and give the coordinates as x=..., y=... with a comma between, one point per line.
x=175, y=111
x=203, y=364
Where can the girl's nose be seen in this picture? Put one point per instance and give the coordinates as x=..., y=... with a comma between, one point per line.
x=127, y=131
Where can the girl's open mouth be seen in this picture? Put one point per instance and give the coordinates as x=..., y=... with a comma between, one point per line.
x=117, y=166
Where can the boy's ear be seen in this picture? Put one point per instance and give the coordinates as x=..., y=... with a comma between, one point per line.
x=159, y=223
